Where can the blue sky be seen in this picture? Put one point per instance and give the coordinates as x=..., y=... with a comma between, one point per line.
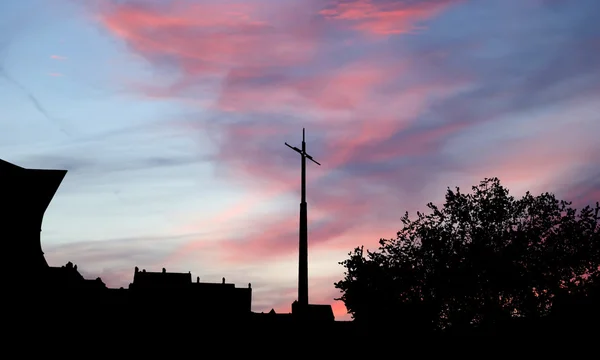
x=171, y=116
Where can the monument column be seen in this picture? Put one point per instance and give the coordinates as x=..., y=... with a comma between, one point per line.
x=303, y=233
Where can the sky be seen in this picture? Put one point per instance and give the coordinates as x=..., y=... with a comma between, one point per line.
x=171, y=118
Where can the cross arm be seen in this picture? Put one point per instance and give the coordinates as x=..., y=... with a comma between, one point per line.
x=302, y=153
x=294, y=148
x=311, y=159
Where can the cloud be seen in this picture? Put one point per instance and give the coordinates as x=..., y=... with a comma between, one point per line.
x=114, y=259
x=100, y=251
x=95, y=166
x=585, y=190
x=57, y=57
x=209, y=37
x=400, y=99
x=386, y=17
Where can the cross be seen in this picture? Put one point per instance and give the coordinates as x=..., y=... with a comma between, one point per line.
x=303, y=243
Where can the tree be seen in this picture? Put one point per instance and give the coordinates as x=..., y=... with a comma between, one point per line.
x=482, y=259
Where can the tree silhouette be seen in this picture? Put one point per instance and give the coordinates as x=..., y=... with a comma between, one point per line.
x=480, y=261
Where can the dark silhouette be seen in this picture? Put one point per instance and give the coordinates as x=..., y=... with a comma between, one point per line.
x=302, y=306
x=484, y=263
x=152, y=298
x=26, y=194
x=178, y=289
x=303, y=242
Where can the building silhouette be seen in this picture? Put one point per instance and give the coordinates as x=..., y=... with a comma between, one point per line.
x=26, y=194
x=178, y=289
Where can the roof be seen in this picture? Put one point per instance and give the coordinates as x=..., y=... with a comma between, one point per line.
x=6, y=166
x=206, y=285
x=321, y=311
x=143, y=278
x=34, y=188
x=64, y=273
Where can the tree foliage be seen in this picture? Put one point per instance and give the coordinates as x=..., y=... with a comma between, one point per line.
x=484, y=257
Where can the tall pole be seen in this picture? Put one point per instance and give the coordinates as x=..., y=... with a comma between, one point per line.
x=303, y=241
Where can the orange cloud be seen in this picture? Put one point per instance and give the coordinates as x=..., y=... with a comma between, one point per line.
x=385, y=17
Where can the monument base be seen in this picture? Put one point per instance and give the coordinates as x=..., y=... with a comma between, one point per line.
x=312, y=312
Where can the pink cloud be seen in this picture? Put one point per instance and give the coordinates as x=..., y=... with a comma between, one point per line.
x=57, y=57
x=246, y=42
x=374, y=117
x=210, y=37
x=385, y=17
x=55, y=74
x=541, y=163
x=278, y=236
x=242, y=51
x=342, y=89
